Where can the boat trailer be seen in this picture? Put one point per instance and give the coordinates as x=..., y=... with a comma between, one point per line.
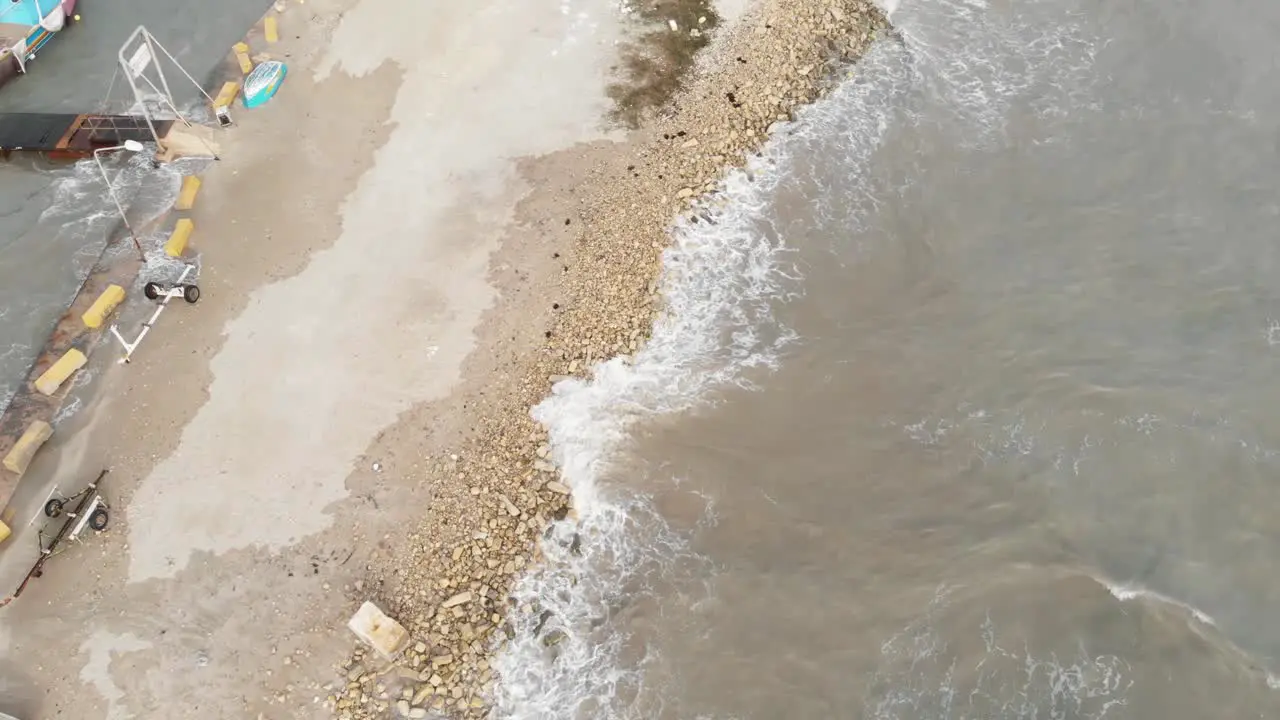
x=90, y=510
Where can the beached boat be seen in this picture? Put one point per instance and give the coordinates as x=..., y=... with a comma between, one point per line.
x=25, y=27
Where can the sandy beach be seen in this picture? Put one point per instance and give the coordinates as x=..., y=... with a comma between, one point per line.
x=434, y=222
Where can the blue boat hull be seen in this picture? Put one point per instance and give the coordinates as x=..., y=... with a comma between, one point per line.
x=262, y=84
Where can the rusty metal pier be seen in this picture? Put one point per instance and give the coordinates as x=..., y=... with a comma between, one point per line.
x=69, y=136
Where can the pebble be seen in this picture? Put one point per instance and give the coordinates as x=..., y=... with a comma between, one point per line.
x=460, y=599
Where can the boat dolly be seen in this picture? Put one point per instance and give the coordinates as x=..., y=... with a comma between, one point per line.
x=90, y=511
x=161, y=294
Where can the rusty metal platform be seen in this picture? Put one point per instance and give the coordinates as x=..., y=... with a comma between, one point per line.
x=71, y=135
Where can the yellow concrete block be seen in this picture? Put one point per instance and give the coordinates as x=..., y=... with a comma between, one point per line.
x=20, y=456
x=49, y=381
x=246, y=64
x=241, y=47
x=5, y=532
x=270, y=29
x=187, y=196
x=227, y=94
x=177, y=242
x=103, y=306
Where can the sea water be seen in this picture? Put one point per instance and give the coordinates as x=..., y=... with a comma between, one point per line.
x=963, y=407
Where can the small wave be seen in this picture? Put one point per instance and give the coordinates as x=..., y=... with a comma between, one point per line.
x=1125, y=592
x=922, y=675
x=75, y=400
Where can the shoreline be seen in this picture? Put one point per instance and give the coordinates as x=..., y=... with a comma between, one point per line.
x=452, y=594
x=267, y=474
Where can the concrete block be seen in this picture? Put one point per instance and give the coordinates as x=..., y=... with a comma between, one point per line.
x=182, y=141
x=102, y=308
x=386, y=636
x=20, y=456
x=50, y=380
x=177, y=242
x=242, y=57
x=5, y=532
x=187, y=195
x=227, y=94
x=271, y=29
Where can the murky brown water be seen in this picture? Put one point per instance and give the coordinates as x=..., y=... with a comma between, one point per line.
x=968, y=410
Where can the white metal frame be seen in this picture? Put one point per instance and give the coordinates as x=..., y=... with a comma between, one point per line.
x=138, y=55
x=175, y=291
x=83, y=520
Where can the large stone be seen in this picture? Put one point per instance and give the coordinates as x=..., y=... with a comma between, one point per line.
x=380, y=632
x=459, y=599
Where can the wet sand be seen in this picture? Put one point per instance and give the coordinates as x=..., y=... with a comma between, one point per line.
x=427, y=226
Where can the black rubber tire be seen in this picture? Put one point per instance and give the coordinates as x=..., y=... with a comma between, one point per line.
x=151, y=290
x=191, y=293
x=53, y=508
x=99, y=519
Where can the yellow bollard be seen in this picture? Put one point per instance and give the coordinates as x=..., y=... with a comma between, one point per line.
x=242, y=56
x=187, y=196
x=20, y=456
x=103, y=306
x=271, y=30
x=177, y=242
x=227, y=94
x=50, y=380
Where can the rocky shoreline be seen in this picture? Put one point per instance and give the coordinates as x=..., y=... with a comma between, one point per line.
x=498, y=489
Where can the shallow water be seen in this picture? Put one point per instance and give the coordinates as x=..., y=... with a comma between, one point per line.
x=964, y=409
x=54, y=216
x=59, y=218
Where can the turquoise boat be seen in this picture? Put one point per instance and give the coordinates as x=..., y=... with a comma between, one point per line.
x=261, y=84
x=25, y=27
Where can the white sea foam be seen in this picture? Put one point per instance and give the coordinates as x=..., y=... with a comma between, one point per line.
x=74, y=401
x=1126, y=592
x=922, y=675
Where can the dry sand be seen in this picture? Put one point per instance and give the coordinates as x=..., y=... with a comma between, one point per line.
x=400, y=252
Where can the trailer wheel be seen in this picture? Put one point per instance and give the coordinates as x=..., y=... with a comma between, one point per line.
x=190, y=293
x=98, y=520
x=151, y=290
x=53, y=508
